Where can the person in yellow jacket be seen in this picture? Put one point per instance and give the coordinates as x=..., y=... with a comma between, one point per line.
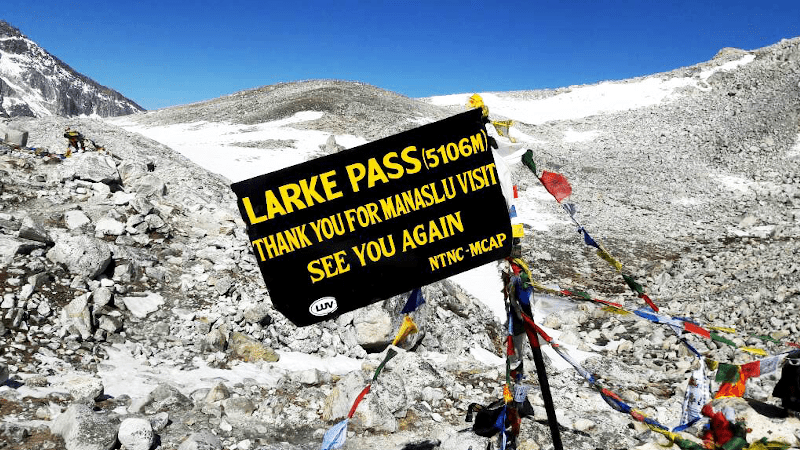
x=76, y=140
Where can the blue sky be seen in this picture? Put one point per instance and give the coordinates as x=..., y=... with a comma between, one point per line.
x=163, y=53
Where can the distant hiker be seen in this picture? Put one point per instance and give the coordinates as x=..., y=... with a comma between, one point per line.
x=788, y=387
x=75, y=139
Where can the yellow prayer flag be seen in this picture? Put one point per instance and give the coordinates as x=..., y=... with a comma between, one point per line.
x=507, y=394
x=503, y=128
x=725, y=329
x=542, y=287
x=711, y=364
x=615, y=310
x=517, y=231
x=408, y=327
x=476, y=101
x=754, y=350
x=609, y=259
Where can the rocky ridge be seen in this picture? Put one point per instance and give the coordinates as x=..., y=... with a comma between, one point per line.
x=137, y=261
x=35, y=83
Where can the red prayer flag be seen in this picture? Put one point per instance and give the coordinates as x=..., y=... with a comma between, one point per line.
x=509, y=345
x=649, y=302
x=516, y=194
x=751, y=369
x=358, y=400
x=556, y=184
x=692, y=328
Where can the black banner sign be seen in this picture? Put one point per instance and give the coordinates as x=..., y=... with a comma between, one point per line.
x=342, y=231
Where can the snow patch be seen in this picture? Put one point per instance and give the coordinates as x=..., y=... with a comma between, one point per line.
x=590, y=100
x=212, y=145
x=571, y=135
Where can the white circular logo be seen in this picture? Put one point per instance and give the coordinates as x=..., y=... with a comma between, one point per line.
x=323, y=306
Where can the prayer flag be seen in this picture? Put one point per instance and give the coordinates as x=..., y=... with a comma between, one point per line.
x=718, y=338
x=527, y=159
x=408, y=327
x=556, y=184
x=517, y=230
x=649, y=302
x=631, y=282
x=570, y=208
x=751, y=369
x=588, y=239
x=769, y=365
x=754, y=350
x=697, y=395
x=692, y=328
x=335, y=437
x=389, y=355
x=503, y=128
x=725, y=329
x=732, y=389
x=415, y=300
x=516, y=192
x=507, y=397
x=476, y=101
x=609, y=259
x=727, y=373
x=512, y=213
x=521, y=393
x=360, y=397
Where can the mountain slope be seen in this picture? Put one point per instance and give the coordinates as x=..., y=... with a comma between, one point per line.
x=35, y=83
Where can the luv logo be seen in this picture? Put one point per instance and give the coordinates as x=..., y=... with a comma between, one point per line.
x=323, y=306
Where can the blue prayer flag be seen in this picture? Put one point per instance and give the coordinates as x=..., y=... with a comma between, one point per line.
x=415, y=300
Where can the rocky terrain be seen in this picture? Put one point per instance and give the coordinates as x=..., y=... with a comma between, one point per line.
x=134, y=316
x=35, y=83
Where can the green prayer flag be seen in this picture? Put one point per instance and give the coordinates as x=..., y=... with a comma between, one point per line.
x=635, y=287
x=389, y=355
x=718, y=338
x=727, y=373
x=527, y=159
x=582, y=294
x=766, y=338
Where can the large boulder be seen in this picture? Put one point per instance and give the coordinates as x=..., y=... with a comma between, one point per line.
x=83, y=429
x=82, y=255
x=97, y=168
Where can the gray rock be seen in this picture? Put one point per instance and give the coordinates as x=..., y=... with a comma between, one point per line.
x=16, y=137
x=101, y=297
x=108, y=227
x=11, y=246
x=373, y=326
x=159, y=421
x=32, y=229
x=257, y=313
x=217, y=393
x=142, y=306
x=149, y=185
x=97, y=168
x=84, y=389
x=203, y=440
x=82, y=255
x=3, y=373
x=76, y=219
x=83, y=429
x=238, y=407
x=76, y=316
x=136, y=434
